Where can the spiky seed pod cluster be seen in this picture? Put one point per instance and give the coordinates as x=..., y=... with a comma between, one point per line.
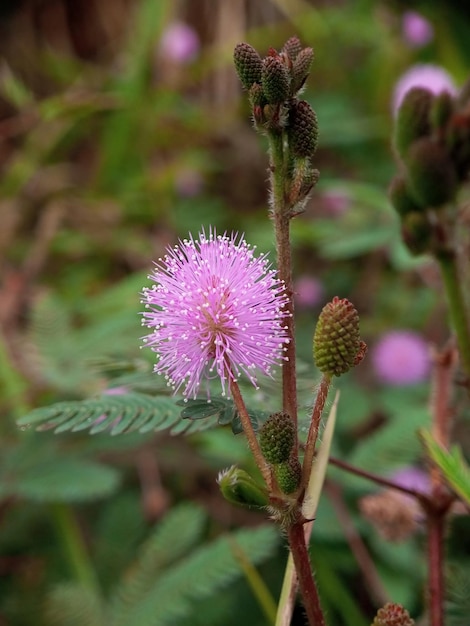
x=277, y=442
x=337, y=345
x=274, y=84
x=432, y=144
x=277, y=438
x=393, y=615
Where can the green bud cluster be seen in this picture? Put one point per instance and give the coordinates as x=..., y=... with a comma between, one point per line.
x=337, y=345
x=277, y=442
x=274, y=84
x=432, y=143
x=393, y=615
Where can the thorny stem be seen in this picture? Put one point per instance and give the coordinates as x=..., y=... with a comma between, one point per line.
x=280, y=210
x=250, y=433
x=303, y=568
x=444, y=366
x=314, y=426
x=457, y=306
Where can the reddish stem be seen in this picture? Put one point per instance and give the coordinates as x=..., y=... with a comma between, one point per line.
x=303, y=568
x=314, y=427
x=435, y=599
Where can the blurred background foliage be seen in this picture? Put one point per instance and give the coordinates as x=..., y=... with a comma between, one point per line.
x=113, y=145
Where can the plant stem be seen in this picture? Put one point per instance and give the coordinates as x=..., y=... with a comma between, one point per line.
x=303, y=568
x=314, y=426
x=435, y=599
x=250, y=433
x=457, y=306
x=74, y=546
x=280, y=207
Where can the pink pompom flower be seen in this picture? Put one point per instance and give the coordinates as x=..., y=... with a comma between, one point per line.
x=401, y=357
x=179, y=43
x=417, y=30
x=309, y=291
x=432, y=77
x=216, y=310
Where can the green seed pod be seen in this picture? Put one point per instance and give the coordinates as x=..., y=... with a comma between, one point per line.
x=277, y=438
x=337, y=345
x=431, y=173
x=288, y=475
x=401, y=196
x=413, y=119
x=248, y=64
x=292, y=48
x=275, y=80
x=393, y=615
x=417, y=232
x=301, y=69
x=302, y=129
x=239, y=488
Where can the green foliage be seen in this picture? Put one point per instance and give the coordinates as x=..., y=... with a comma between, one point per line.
x=170, y=576
x=457, y=595
x=43, y=473
x=452, y=465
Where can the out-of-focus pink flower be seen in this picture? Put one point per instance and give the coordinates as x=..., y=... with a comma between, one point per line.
x=401, y=357
x=336, y=202
x=179, y=43
x=309, y=291
x=417, y=30
x=432, y=77
x=188, y=183
x=412, y=478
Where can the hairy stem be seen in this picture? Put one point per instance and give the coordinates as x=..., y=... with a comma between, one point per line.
x=314, y=426
x=308, y=587
x=435, y=593
x=250, y=433
x=457, y=306
x=280, y=210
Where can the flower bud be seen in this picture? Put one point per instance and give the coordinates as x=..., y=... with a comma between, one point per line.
x=337, y=345
x=301, y=69
x=288, y=475
x=417, y=232
x=277, y=438
x=413, y=118
x=239, y=488
x=441, y=111
x=275, y=80
x=401, y=197
x=392, y=615
x=248, y=64
x=432, y=177
x=292, y=48
x=302, y=129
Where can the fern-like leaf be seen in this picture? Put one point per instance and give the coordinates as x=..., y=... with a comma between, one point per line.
x=43, y=474
x=70, y=604
x=208, y=569
x=115, y=414
x=458, y=595
x=175, y=536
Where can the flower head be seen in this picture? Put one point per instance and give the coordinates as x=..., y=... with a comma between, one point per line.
x=179, y=43
x=401, y=357
x=309, y=291
x=215, y=307
x=417, y=30
x=432, y=77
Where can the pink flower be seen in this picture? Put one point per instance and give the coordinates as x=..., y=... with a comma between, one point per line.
x=336, y=202
x=188, y=183
x=179, y=43
x=417, y=30
x=215, y=307
x=309, y=291
x=432, y=77
x=401, y=357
